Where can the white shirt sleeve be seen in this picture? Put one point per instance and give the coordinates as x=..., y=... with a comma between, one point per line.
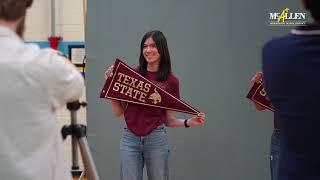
x=66, y=83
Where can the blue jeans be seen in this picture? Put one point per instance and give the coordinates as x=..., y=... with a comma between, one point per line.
x=151, y=150
x=275, y=154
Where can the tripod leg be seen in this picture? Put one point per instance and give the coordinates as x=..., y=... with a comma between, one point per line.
x=87, y=159
x=74, y=148
x=82, y=175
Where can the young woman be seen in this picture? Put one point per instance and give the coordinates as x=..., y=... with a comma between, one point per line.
x=144, y=140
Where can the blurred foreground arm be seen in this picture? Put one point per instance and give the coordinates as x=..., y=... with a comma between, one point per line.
x=66, y=83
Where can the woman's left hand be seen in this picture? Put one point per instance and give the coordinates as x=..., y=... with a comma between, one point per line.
x=197, y=120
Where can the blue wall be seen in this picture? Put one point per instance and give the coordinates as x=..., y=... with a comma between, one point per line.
x=63, y=45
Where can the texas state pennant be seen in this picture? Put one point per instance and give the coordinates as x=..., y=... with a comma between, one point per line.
x=258, y=95
x=128, y=85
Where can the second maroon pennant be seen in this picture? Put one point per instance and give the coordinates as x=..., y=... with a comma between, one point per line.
x=128, y=85
x=258, y=95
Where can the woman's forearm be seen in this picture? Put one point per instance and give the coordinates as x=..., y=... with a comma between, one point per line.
x=117, y=107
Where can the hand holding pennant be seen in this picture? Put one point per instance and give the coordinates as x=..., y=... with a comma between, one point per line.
x=128, y=85
x=258, y=95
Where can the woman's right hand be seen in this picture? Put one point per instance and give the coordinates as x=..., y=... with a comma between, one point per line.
x=109, y=72
x=257, y=78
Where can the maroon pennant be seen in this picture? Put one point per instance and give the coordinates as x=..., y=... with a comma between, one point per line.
x=258, y=95
x=128, y=85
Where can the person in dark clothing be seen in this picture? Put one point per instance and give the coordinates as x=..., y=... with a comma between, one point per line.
x=291, y=68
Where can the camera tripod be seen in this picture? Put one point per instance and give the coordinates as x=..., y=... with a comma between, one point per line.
x=78, y=132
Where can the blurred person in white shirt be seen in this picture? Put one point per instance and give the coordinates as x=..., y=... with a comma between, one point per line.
x=34, y=82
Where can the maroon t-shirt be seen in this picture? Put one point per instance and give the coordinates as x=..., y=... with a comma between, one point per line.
x=141, y=119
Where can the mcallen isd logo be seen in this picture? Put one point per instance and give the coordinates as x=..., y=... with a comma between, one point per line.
x=286, y=18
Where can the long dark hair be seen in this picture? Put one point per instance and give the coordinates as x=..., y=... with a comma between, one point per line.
x=165, y=63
